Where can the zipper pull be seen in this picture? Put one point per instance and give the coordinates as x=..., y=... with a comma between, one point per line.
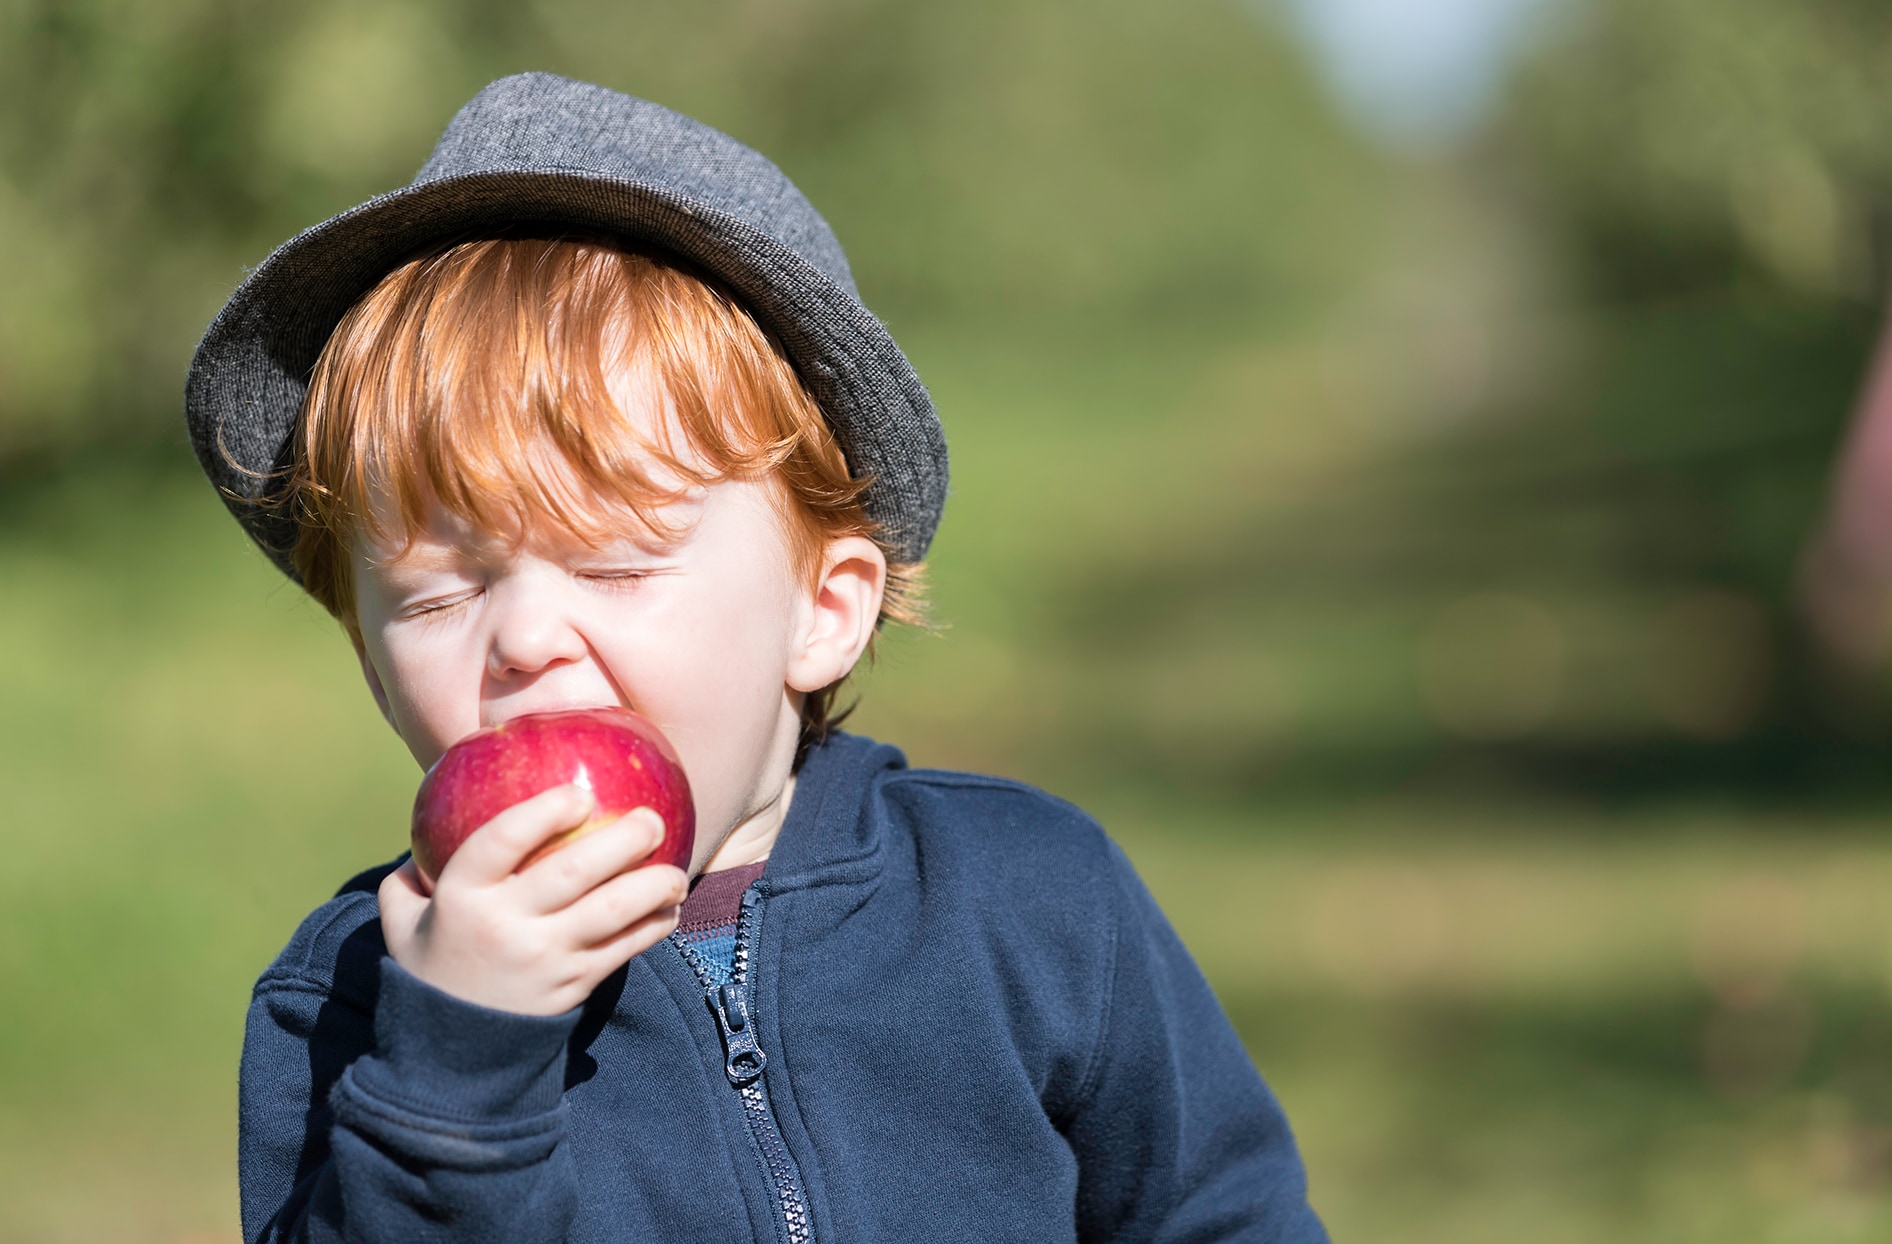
x=742, y=1057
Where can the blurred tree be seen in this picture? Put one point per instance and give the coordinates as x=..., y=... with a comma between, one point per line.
x=980, y=159
x=1709, y=149
x=1583, y=582
x=1687, y=143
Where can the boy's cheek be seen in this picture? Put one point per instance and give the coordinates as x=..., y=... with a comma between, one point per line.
x=376, y=687
x=420, y=699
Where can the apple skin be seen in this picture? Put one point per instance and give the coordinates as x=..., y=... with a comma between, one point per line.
x=624, y=759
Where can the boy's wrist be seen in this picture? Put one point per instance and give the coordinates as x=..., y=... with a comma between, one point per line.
x=440, y=1055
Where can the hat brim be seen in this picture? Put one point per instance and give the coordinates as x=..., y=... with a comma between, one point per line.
x=252, y=368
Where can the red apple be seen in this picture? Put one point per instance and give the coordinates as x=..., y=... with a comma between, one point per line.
x=624, y=760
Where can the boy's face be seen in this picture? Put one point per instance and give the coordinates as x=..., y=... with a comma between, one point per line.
x=705, y=628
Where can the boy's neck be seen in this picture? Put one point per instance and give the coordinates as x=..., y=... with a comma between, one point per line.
x=754, y=837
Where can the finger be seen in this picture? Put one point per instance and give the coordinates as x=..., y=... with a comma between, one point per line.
x=565, y=872
x=495, y=850
x=615, y=951
x=403, y=897
x=590, y=967
x=620, y=903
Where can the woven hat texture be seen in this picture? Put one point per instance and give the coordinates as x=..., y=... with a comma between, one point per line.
x=540, y=150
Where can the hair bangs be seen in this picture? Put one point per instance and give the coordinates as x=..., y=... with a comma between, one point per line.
x=513, y=420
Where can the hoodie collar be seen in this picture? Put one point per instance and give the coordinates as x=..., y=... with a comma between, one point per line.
x=832, y=833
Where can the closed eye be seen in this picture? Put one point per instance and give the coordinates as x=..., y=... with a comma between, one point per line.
x=440, y=605
x=614, y=580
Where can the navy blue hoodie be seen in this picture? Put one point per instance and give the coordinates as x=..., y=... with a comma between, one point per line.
x=958, y=1016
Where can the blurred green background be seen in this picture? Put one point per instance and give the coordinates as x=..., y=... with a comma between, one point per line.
x=1384, y=434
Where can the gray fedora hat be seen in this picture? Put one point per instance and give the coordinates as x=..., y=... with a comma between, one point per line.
x=539, y=150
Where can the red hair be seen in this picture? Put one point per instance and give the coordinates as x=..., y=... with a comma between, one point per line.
x=482, y=376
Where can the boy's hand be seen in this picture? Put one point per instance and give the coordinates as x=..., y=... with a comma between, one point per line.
x=534, y=940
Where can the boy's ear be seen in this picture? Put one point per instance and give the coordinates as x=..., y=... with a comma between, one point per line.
x=373, y=678
x=842, y=614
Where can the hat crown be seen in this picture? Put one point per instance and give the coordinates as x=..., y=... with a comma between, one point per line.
x=541, y=123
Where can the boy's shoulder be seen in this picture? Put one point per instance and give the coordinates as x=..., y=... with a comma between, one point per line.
x=1003, y=845
x=337, y=949
x=995, y=810
x=861, y=791
x=970, y=815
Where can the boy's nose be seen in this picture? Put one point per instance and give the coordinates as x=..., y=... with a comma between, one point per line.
x=531, y=634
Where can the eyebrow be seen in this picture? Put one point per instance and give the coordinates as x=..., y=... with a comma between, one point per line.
x=423, y=554
x=417, y=559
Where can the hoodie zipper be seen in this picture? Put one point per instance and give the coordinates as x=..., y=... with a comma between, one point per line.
x=743, y=1061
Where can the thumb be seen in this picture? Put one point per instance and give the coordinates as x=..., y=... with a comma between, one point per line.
x=403, y=897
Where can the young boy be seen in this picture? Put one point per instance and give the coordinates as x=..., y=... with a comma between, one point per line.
x=591, y=414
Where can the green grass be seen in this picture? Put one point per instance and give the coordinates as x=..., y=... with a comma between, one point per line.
x=1491, y=1019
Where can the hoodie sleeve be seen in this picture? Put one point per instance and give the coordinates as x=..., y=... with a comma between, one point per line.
x=1177, y=1138
x=374, y=1107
